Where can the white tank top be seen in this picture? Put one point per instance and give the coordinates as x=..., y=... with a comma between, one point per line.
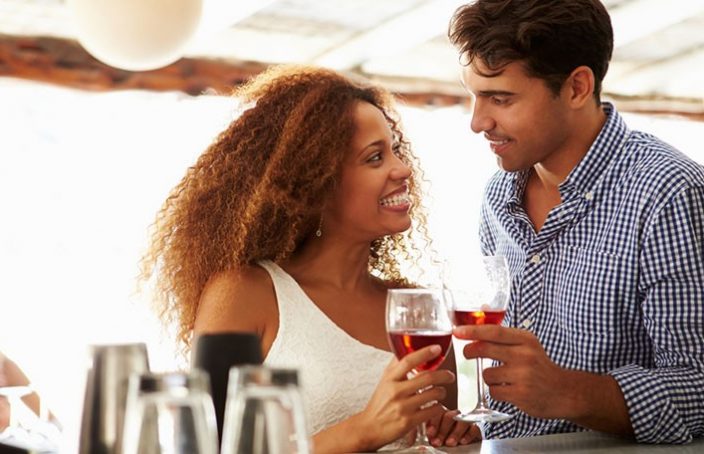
x=337, y=373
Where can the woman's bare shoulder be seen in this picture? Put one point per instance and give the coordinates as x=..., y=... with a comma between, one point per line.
x=238, y=299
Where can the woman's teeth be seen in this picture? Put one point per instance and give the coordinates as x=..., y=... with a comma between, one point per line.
x=396, y=200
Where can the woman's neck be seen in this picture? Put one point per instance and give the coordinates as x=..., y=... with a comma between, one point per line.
x=332, y=262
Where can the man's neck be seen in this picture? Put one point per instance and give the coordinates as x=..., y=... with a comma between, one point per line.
x=586, y=128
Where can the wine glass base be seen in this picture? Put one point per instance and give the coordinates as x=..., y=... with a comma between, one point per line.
x=483, y=415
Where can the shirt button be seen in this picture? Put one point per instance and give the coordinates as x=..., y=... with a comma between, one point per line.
x=527, y=323
x=535, y=259
x=589, y=195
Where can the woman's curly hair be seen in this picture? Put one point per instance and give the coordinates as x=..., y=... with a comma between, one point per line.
x=257, y=192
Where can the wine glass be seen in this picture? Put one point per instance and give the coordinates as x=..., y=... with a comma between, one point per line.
x=478, y=295
x=417, y=318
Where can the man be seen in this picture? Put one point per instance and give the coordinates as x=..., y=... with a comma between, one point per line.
x=602, y=228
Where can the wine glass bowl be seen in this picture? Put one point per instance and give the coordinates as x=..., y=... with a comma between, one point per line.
x=406, y=342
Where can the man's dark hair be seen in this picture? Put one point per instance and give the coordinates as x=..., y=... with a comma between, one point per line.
x=551, y=37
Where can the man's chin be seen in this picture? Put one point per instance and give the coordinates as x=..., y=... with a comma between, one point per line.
x=508, y=166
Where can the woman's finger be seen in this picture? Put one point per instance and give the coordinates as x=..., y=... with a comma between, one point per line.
x=432, y=425
x=432, y=395
x=472, y=435
x=426, y=379
x=459, y=431
x=446, y=425
x=413, y=360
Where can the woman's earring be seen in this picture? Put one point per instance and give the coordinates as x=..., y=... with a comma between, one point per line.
x=319, y=232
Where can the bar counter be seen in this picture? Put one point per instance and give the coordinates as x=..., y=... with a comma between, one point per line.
x=578, y=442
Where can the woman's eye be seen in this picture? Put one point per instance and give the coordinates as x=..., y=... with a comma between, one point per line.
x=375, y=157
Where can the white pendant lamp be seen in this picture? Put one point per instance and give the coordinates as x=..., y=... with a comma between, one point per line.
x=136, y=35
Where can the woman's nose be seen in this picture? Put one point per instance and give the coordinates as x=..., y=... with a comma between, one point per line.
x=401, y=170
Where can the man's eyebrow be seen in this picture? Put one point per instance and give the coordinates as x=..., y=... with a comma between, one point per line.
x=488, y=93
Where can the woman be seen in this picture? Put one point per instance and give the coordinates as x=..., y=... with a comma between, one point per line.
x=293, y=224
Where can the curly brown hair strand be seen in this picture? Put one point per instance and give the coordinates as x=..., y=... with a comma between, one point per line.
x=256, y=193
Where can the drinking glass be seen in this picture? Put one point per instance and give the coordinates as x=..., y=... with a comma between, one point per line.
x=417, y=318
x=478, y=295
x=264, y=413
x=169, y=413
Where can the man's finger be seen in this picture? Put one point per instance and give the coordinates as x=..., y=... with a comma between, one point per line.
x=500, y=352
x=498, y=375
x=492, y=333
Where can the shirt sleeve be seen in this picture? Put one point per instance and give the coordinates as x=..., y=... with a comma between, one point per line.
x=666, y=401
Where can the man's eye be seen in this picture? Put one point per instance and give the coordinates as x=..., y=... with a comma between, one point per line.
x=499, y=101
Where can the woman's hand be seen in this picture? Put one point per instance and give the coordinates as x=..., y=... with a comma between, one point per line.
x=396, y=407
x=444, y=430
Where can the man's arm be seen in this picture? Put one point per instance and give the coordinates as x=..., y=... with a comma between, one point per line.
x=666, y=403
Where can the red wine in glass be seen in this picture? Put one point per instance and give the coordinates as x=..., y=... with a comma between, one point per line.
x=478, y=317
x=408, y=341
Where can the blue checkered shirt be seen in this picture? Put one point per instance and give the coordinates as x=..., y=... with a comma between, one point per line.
x=613, y=283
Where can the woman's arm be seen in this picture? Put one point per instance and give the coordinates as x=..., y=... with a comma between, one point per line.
x=239, y=300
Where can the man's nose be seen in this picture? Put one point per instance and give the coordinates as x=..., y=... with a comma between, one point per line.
x=481, y=120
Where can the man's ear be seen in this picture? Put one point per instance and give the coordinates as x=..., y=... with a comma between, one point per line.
x=579, y=86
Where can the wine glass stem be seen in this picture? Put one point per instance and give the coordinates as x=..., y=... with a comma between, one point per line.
x=481, y=397
x=421, y=436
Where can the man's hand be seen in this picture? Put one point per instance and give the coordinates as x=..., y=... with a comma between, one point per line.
x=527, y=378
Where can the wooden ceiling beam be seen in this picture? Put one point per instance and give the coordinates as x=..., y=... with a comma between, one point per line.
x=64, y=62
